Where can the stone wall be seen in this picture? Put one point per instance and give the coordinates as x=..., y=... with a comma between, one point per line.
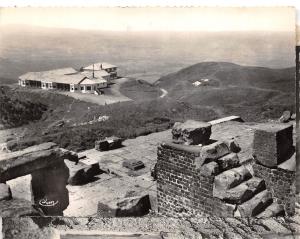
x=281, y=183
x=184, y=189
x=209, y=179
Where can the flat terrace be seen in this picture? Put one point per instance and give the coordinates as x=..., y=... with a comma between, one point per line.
x=119, y=181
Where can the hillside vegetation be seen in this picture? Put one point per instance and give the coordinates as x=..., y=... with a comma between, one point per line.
x=15, y=112
x=254, y=93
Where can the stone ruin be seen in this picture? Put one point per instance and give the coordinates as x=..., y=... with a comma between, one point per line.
x=200, y=176
x=45, y=163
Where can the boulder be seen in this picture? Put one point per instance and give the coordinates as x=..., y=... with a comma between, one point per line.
x=191, y=132
x=211, y=152
x=242, y=192
x=255, y=205
x=229, y=179
x=209, y=169
x=272, y=143
x=228, y=161
x=5, y=192
x=136, y=206
x=285, y=116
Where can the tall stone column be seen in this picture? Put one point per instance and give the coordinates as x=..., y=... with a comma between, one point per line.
x=49, y=190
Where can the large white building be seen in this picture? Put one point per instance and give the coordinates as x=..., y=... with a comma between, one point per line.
x=68, y=79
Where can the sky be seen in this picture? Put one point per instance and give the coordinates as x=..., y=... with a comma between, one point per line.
x=155, y=19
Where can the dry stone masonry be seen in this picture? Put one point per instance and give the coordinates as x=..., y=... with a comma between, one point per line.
x=45, y=163
x=199, y=176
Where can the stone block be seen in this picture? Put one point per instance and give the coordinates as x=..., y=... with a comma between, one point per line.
x=228, y=161
x=209, y=169
x=211, y=152
x=5, y=192
x=128, y=207
x=255, y=205
x=191, y=132
x=273, y=143
x=133, y=164
x=82, y=174
x=242, y=192
x=230, y=178
x=108, y=143
x=274, y=210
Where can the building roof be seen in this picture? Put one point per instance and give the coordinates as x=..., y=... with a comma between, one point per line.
x=64, y=76
x=97, y=74
x=100, y=66
x=88, y=81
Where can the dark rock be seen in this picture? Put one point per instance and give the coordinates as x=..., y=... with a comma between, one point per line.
x=233, y=146
x=274, y=210
x=273, y=143
x=242, y=192
x=285, y=116
x=255, y=205
x=154, y=172
x=128, y=207
x=108, y=143
x=191, y=132
x=133, y=164
x=5, y=192
x=228, y=161
x=82, y=174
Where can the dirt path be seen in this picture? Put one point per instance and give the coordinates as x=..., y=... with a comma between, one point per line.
x=164, y=93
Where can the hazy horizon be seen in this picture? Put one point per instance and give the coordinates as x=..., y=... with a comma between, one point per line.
x=140, y=54
x=155, y=18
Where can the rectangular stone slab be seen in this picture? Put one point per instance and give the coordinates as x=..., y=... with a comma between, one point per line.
x=273, y=143
x=17, y=165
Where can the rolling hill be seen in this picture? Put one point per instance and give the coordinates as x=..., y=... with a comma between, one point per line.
x=255, y=93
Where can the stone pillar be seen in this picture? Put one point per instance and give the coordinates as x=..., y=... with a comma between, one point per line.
x=275, y=162
x=49, y=188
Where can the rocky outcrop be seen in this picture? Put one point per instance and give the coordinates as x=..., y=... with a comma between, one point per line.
x=191, y=132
